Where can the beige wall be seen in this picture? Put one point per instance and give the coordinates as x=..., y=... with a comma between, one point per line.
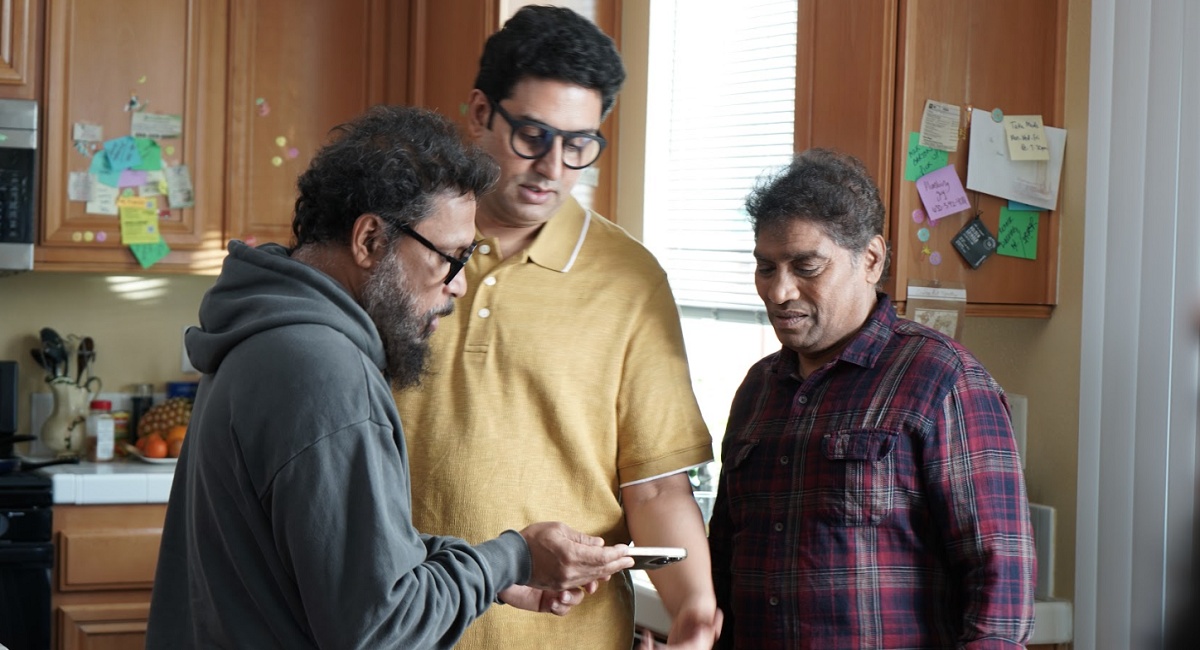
x=135, y=321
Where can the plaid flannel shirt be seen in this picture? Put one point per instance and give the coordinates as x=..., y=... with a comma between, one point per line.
x=878, y=503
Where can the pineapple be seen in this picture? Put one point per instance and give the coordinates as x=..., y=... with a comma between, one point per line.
x=161, y=417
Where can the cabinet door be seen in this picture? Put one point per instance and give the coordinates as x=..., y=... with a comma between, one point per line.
x=170, y=55
x=299, y=68
x=20, y=36
x=1007, y=55
x=109, y=626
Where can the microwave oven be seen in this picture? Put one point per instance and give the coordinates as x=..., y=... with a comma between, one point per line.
x=18, y=186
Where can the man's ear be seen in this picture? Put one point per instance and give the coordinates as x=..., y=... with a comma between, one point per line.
x=875, y=259
x=368, y=239
x=479, y=111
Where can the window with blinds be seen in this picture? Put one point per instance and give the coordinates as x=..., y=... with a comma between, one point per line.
x=720, y=113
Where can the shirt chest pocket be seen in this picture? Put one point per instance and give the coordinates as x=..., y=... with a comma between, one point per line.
x=857, y=477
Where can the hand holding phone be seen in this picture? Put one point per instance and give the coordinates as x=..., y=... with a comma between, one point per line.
x=654, y=557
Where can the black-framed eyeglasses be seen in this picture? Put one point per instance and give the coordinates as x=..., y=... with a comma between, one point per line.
x=532, y=140
x=456, y=263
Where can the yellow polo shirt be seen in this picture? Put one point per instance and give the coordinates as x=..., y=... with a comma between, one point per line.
x=560, y=377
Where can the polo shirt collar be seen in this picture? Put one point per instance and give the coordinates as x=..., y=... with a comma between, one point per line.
x=557, y=246
x=863, y=350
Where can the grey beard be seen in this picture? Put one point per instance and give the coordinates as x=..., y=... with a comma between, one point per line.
x=392, y=306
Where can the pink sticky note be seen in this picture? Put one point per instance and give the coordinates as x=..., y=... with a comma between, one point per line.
x=942, y=193
x=131, y=178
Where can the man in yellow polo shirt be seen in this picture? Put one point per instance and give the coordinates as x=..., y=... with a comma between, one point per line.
x=559, y=389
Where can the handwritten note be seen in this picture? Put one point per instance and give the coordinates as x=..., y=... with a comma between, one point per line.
x=131, y=178
x=122, y=153
x=942, y=193
x=1018, y=234
x=922, y=159
x=103, y=170
x=102, y=199
x=939, y=125
x=991, y=171
x=149, y=155
x=1026, y=137
x=84, y=132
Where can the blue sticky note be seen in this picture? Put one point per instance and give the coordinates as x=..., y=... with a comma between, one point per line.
x=122, y=153
x=103, y=169
x=1023, y=207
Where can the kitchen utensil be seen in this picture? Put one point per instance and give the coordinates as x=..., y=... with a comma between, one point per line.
x=55, y=350
x=45, y=364
x=83, y=359
x=15, y=465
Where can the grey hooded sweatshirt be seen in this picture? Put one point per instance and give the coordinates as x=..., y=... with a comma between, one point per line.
x=289, y=523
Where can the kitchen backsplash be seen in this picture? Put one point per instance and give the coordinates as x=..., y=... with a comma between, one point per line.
x=136, y=322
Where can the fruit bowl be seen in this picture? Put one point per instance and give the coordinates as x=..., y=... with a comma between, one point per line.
x=136, y=453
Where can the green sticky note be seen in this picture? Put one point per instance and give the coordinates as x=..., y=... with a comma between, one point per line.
x=151, y=156
x=1018, y=234
x=922, y=160
x=148, y=254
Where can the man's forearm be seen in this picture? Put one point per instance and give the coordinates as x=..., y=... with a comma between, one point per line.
x=663, y=513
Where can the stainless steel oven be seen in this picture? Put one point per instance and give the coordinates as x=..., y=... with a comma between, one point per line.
x=18, y=187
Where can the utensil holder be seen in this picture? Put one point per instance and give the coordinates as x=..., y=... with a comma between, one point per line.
x=63, y=431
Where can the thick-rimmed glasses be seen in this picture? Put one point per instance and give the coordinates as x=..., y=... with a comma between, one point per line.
x=456, y=263
x=532, y=140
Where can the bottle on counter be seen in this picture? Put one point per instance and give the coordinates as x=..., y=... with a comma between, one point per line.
x=100, y=431
x=140, y=402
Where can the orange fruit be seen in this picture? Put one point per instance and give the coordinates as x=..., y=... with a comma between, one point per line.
x=176, y=432
x=155, y=447
x=174, y=447
x=141, y=443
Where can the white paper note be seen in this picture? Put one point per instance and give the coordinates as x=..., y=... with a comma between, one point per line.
x=991, y=171
x=155, y=125
x=79, y=186
x=104, y=200
x=939, y=125
x=179, y=187
x=84, y=132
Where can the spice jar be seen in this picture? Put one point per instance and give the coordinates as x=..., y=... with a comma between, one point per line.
x=100, y=431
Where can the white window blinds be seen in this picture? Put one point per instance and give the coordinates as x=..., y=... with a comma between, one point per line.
x=721, y=112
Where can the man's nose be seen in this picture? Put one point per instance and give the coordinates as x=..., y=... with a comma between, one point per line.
x=550, y=165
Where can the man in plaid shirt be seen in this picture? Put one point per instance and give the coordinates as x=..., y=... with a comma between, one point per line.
x=871, y=494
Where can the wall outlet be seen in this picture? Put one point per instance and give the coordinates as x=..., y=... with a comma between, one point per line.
x=185, y=363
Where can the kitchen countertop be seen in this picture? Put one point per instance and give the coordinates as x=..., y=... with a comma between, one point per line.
x=121, y=481
x=1053, y=619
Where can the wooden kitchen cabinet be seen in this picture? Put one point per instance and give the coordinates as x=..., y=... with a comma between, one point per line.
x=298, y=68
x=105, y=558
x=20, y=41
x=171, y=56
x=863, y=75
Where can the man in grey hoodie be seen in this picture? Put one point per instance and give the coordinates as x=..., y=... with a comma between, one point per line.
x=289, y=523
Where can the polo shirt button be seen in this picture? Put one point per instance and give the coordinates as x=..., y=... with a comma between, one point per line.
x=490, y=280
x=802, y=399
x=773, y=601
x=784, y=460
x=485, y=312
x=483, y=249
x=778, y=527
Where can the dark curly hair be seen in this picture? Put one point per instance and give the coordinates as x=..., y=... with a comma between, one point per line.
x=826, y=187
x=390, y=161
x=550, y=43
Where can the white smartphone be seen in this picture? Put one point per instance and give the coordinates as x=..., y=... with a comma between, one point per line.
x=654, y=557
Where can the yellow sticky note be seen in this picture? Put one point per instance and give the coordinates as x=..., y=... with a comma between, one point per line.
x=1026, y=137
x=139, y=221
